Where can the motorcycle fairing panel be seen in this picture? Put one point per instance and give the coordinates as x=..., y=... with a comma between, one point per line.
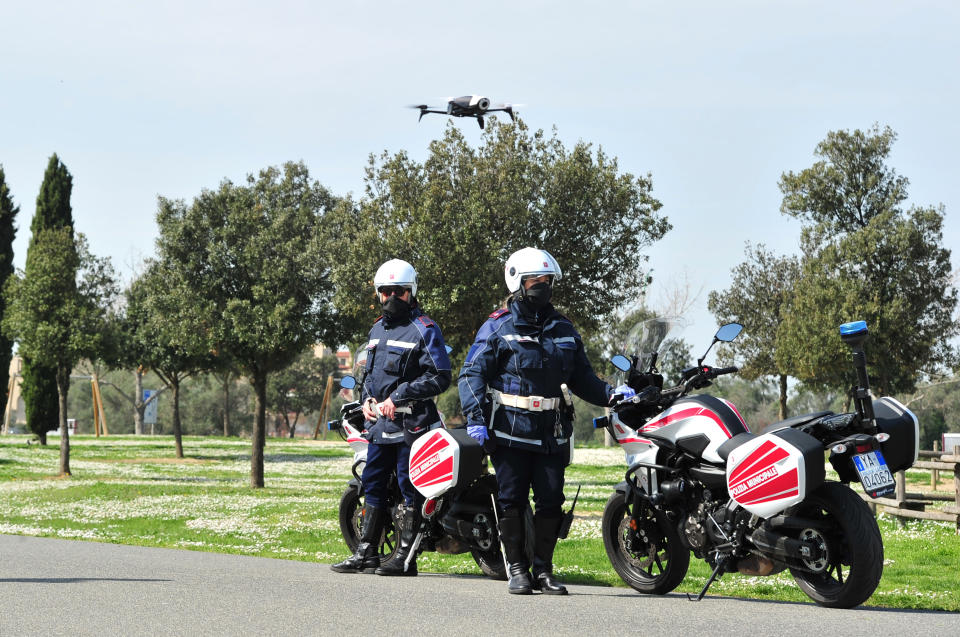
x=770, y=473
x=693, y=416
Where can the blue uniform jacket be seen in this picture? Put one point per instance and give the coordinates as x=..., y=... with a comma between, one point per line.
x=406, y=361
x=515, y=356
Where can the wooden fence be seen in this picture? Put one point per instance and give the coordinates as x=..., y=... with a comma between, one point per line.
x=943, y=467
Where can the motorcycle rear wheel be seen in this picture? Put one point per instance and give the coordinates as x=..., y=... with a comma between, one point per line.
x=491, y=560
x=351, y=524
x=852, y=539
x=490, y=563
x=659, y=568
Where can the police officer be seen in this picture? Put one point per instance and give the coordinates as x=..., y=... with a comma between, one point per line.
x=407, y=365
x=510, y=390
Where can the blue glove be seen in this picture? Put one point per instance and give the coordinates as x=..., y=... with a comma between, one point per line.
x=625, y=392
x=478, y=432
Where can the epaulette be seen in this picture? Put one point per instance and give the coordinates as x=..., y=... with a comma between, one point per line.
x=379, y=318
x=499, y=313
x=426, y=320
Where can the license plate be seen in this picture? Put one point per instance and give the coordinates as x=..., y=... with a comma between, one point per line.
x=874, y=473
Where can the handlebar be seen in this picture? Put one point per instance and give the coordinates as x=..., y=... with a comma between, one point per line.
x=698, y=377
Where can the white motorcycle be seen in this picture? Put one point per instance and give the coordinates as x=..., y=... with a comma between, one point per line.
x=700, y=482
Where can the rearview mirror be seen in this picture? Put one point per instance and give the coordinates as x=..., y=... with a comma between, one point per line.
x=348, y=382
x=728, y=332
x=621, y=362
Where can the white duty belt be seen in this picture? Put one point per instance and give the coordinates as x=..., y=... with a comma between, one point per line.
x=530, y=403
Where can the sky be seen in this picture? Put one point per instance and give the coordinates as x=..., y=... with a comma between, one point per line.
x=715, y=100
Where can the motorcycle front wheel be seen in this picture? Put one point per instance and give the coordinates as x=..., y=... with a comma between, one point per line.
x=654, y=567
x=852, y=562
x=351, y=525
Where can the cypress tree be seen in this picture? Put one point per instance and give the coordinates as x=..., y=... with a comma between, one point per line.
x=8, y=231
x=40, y=382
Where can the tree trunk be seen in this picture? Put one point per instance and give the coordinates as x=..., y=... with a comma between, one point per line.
x=259, y=429
x=226, y=404
x=293, y=427
x=175, y=384
x=63, y=386
x=783, y=396
x=138, y=405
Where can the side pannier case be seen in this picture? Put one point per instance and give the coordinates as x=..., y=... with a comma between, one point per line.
x=444, y=459
x=903, y=447
x=775, y=471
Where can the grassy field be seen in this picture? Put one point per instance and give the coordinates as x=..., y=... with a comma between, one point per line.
x=132, y=491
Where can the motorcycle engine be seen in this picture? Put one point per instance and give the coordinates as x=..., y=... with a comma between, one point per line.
x=700, y=531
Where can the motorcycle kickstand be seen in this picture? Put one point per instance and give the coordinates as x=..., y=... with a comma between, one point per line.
x=721, y=563
x=503, y=551
x=413, y=550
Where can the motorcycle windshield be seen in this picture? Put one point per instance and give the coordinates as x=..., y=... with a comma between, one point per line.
x=645, y=338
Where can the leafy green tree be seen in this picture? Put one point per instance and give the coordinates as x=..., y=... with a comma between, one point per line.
x=299, y=387
x=123, y=350
x=850, y=184
x=458, y=216
x=57, y=317
x=866, y=258
x=40, y=381
x=169, y=330
x=756, y=400
x=758, y=296
x=8, y=232
x=256, y=264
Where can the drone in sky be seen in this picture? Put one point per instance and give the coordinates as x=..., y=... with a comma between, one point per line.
x=467, y=106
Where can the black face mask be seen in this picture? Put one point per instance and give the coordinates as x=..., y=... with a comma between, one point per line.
x=395, y=308
x=537, y=296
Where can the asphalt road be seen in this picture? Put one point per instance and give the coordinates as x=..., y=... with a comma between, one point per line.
x=62, y=587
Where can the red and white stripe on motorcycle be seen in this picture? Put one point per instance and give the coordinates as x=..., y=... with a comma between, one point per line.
x=766, y=475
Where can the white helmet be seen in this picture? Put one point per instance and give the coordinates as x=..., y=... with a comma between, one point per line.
x=529, y=262
x=396, y=272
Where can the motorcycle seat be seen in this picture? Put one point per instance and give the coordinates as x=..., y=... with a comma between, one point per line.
x=795, y=421
x=724, y=450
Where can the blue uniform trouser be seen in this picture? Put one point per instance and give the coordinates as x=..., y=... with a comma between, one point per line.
x=383, y=460
x=519, y=470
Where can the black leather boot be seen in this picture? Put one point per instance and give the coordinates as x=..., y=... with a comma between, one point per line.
x=366, y=559
x=398, y=563
x=518, y=569
x=545, y=540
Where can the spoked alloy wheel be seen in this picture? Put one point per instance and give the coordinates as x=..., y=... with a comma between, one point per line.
x=490, y=559
x=849, y=569
x=351, y=525
x=650, y=559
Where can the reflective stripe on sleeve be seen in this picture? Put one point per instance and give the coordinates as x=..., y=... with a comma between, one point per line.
x=520, y=338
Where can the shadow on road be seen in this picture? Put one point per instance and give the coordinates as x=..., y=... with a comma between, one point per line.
x=74, y=580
